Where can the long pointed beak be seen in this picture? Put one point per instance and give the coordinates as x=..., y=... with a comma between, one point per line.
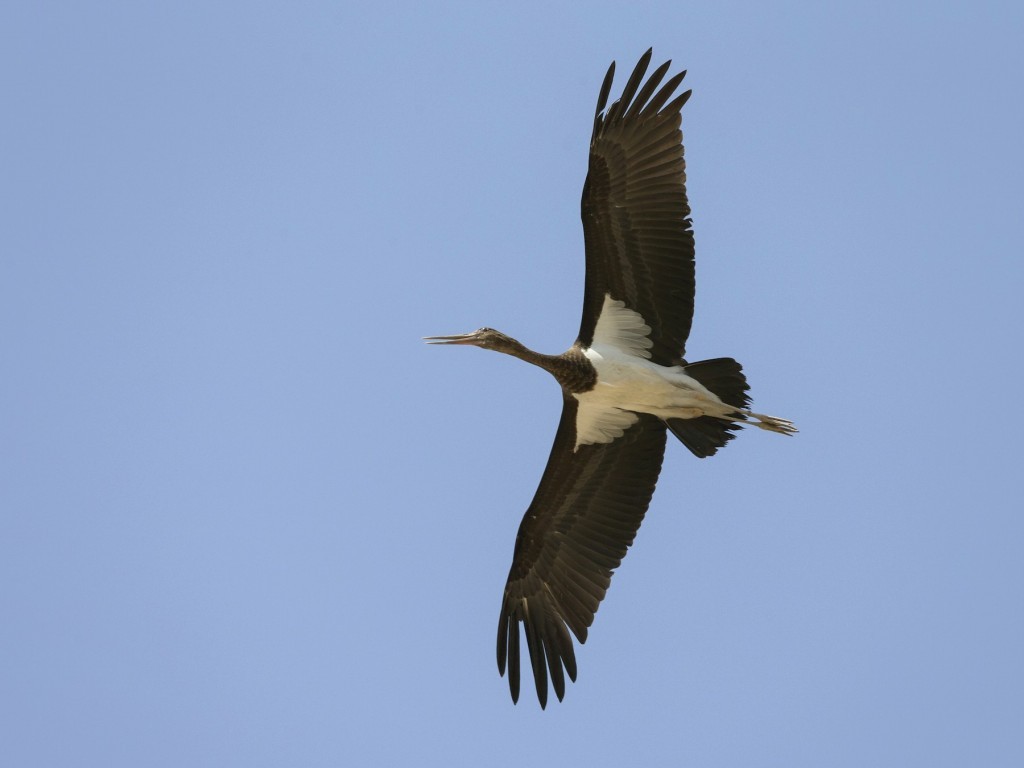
x=462, y=338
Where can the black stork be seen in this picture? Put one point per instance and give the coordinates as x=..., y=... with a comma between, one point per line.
x=624, y=381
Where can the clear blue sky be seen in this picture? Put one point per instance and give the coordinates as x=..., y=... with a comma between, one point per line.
x=248, y=519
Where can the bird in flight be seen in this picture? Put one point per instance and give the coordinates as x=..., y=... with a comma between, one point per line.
x=625, y=382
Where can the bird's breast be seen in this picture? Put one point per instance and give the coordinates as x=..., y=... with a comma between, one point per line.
x=627, y=385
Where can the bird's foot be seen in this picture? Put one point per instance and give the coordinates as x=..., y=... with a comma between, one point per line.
x=773, y=423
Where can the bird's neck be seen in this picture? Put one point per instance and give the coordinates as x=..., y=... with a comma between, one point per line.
x=572, y=369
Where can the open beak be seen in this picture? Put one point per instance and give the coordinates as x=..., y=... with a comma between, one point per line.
x=462, y=338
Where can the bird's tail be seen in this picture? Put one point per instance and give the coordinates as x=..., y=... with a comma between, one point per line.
x=704, y=435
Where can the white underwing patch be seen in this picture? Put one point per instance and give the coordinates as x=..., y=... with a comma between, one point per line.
x=597, y=423
x=623, y=329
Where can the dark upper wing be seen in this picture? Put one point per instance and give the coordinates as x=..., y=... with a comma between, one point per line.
x=638, y=238
x=584, y=516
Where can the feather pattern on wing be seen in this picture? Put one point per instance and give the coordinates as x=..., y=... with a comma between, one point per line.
x=636, y=224
x=583, y=518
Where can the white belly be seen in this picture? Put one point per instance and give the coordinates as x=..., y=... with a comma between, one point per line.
x=628, y=385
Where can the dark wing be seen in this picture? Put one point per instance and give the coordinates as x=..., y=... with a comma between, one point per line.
x=585, y=514
x=635, y=214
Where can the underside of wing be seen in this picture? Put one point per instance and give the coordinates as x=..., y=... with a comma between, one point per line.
x=635, y=213
x=584, y=516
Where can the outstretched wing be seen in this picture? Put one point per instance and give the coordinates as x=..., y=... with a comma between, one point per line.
x=635, y=214
x=585, y=514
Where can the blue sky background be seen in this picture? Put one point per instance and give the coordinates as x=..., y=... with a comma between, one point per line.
x=248, y=519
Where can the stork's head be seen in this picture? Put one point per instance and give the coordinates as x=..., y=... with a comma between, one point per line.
x=485, y=338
